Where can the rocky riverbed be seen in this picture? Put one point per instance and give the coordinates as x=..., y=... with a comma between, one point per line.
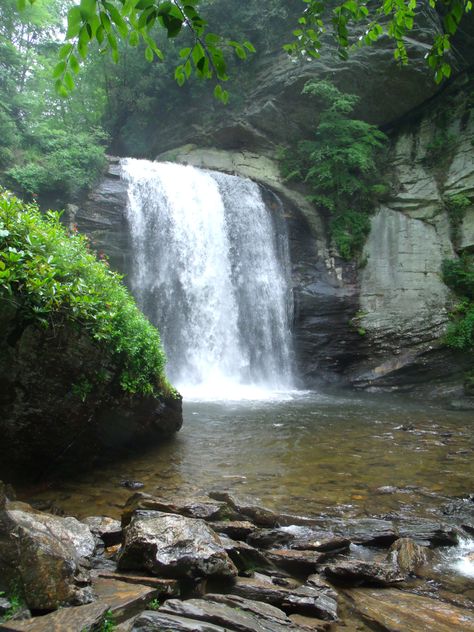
x=223, y=563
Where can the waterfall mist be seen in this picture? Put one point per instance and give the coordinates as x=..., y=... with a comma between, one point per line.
x=209, y=269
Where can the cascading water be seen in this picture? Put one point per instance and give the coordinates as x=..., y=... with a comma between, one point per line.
x=209, y=271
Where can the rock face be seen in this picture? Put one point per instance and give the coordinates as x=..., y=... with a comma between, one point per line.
x=45, y=419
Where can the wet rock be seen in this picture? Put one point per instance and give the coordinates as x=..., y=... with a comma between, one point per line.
x=311, y=539
x=232, y=613
x=395, y=610
x=361, y=573
x=164, y=587
x=370, y=532
x=270, y=538
x=296, y=561
x=86, y=618
x=247, y=508
x=322, y=585
x=173, y=546
x=107, y=529
x=235, y=529
x=292, y=596
x=462, y=510
x=132, y=484
x=160, y=622
x=408, y=556
x=244, y=556
x=42, y=553
x=260, y=587
x=205, y=509
x=310, y=600
x=123, y=599
x=427, y=532
x=310, y=623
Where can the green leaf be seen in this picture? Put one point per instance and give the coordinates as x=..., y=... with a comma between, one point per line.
x=65, y=50
x=249, y=46
x=74, y=21
x=59, y=69
x=74, y=63
x=68, y=81
x=148, y=54
x=134, y=38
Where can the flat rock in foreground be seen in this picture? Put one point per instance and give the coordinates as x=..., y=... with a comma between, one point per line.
x=398, y=611
x=44, y=555
x=173, y=546
x=231, y=613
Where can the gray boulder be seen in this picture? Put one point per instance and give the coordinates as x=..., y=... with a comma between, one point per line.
x=173, y=546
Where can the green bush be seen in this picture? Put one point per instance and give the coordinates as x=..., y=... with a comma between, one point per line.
x=59, y=161
x=52, y=278
x=341, y=165
x=456, y=205
x=458, y=274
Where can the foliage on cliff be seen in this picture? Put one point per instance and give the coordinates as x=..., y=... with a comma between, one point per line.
x=52, y=278
x=458, y=274
x=341, y=165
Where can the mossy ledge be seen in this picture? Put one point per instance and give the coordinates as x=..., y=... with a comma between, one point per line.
x=81, y=368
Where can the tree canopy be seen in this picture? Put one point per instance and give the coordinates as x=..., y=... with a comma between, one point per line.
x=351, y=23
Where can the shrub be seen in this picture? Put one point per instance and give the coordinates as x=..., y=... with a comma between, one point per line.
x=459, y=276
x=52, y=277
x=341, y=165
x=59, y=161
x=456, y=206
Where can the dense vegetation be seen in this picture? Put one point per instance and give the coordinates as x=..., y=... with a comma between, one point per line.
x=342, y=166
x=48, y=146
x=458, y=274
x=52, y=278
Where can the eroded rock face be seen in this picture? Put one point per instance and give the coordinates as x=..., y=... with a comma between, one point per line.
x=173, y=546
x=45, y=555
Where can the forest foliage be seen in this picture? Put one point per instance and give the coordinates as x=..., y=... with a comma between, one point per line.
x=341, y=166
x=51, y=277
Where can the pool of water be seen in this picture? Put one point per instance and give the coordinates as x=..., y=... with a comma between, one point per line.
x=341, y=455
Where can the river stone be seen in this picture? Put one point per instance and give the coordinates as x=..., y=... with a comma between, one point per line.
x=360, y=573
x=244, y=556
x=318, y=601
x=160, y=622
x=235, y=529
x=173, y=546
x=237, y=614
x=164, y=587
x=205, y=509
x=312, y=539
x=370, y=532
x=247, y=507
x=407, y=555
x=42, y=553
x=88, y=618
x=427, y=532
x=105, y=528
x=397, y=611
x=296, y=561
x=270, y=538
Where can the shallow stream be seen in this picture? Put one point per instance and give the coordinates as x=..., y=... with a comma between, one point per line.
x=306, y=452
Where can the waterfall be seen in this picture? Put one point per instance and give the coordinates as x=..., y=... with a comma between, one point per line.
x=210, y=271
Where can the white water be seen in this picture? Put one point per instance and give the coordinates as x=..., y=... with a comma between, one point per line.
x=209, y=271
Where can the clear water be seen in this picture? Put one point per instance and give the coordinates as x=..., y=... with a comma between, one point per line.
x=312, y=453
